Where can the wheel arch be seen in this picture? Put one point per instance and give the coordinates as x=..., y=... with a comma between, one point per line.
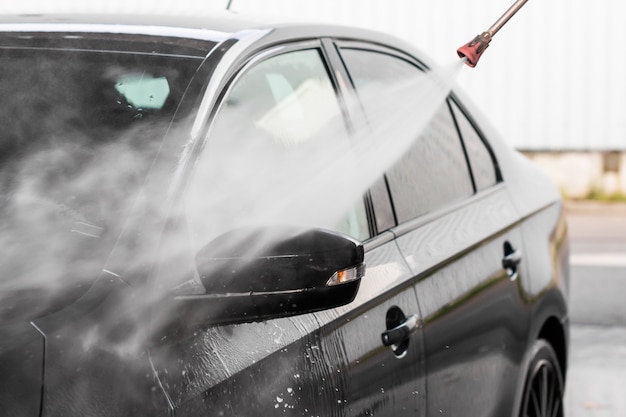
x=554, y=332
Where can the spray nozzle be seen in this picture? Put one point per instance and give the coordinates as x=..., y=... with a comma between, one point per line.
x=472, y=51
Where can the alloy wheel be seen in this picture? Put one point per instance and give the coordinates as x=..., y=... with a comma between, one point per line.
x=543, y=396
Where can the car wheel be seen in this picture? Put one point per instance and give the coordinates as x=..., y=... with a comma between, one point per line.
x=543, y=392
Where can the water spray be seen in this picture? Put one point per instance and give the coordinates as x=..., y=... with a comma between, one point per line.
x=473, y=50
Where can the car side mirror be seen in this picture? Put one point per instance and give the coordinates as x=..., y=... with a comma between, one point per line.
x=264, y=273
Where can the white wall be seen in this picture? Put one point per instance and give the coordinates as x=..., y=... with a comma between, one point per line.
x=552, y=78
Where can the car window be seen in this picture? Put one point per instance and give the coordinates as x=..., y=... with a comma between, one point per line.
x=372, y=73
x=277, y=113
x=434, y=171
x=288, y=98
x=381, y=203
x=355, y=223
x=480, y=158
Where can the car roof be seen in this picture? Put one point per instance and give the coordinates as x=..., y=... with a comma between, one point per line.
x=202, y=31
x=210, y=27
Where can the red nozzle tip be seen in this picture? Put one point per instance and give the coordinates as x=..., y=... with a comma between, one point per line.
x=473, y=50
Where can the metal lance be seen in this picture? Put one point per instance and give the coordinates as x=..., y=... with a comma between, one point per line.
x=473, y=50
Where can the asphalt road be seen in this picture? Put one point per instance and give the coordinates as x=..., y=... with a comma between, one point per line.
x=596, y=383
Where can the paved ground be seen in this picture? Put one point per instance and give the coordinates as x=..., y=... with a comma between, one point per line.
x=597, y=366
x=597, y=376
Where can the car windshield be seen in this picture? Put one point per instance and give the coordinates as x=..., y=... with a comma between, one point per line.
x=78, y=133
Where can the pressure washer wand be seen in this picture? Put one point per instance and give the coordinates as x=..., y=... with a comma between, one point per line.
x=475, y=48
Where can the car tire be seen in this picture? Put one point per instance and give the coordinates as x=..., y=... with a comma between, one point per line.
x=543, y=390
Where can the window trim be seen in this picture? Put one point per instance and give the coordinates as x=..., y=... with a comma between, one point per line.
x=374, y=47
x=465, y=153
x=415, y=223
x=463, y=109
x=372, y=207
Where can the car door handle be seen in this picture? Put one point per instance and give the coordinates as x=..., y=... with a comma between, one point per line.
x=511, y=260
x=401, y=332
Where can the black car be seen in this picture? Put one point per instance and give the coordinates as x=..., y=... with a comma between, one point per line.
x=208, y=216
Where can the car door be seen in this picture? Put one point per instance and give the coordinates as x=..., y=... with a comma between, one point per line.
x=270, y=159
x=21, y=365
x=456, y=228
x=467, y=259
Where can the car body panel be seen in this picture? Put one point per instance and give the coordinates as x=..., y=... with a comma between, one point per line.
x=326, y=363
x=20, y=386
x=476, y=318
x=379, y=379
x=476, y=324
